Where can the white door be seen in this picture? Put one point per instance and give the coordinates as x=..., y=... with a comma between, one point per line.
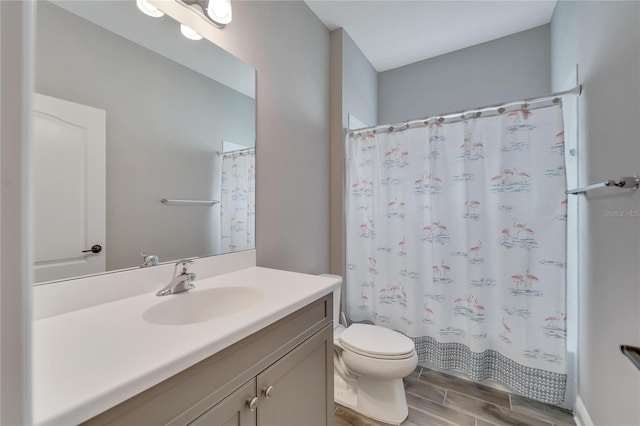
x=69, y=188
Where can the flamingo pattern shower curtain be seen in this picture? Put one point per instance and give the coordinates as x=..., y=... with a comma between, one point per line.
x=238, y=201
x=456, y=237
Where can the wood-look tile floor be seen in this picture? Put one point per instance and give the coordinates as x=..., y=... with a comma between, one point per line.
x=439, y=399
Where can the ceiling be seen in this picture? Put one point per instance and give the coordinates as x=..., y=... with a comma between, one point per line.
x=393, y=33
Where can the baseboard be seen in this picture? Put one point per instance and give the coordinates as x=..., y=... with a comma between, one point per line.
x=581, y=416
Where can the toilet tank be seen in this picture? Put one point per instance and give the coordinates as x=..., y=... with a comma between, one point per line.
x=336, y=299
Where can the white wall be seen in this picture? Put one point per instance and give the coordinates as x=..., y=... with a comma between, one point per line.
x=603, y=38
x=509, y=68
x=165, y=124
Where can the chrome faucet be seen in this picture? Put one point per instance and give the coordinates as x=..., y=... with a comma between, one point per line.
x=181, y=281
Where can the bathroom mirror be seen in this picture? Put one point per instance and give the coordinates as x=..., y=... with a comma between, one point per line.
x=128, y=112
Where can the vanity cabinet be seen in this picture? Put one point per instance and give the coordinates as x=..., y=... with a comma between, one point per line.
x=234, y=410
x=293, y=386
x=292, y=391
x=282, y=375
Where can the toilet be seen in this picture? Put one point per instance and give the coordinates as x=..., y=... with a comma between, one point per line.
x=369, y=364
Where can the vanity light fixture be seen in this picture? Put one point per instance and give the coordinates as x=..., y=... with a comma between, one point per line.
x=149, y=9
x=220, y=11
x=189, y=32
x=217, y=11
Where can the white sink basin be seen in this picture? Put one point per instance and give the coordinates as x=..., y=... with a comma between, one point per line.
x=198, y=306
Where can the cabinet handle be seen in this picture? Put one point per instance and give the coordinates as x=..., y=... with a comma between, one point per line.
x=252, y=403
x=267, y=392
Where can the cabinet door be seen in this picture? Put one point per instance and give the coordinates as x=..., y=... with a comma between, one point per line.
x=233, y=410
x=298, y=389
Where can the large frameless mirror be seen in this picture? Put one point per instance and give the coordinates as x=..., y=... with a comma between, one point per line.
x=144, y=142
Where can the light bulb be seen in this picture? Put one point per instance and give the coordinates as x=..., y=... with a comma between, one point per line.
x=149, y=9
x=220, y=11
x=189, y=32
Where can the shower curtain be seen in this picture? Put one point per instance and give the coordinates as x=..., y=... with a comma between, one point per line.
x=238, y=201
x=456, y=237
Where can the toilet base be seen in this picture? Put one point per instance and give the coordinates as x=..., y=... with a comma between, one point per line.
x=382, y=400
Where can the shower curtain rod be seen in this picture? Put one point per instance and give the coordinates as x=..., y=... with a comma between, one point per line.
x=237, y=151
x=468, y=113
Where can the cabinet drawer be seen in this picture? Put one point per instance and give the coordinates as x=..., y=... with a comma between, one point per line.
x=185, y=396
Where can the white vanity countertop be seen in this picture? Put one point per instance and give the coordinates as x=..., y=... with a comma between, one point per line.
x=89, y=360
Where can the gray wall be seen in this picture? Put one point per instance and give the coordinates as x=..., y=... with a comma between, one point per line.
x=359, y=83
x=289, y=47
x=165, y=123
x=603, y=38
x=509, y=68
x=354, y=90
x=16, y=254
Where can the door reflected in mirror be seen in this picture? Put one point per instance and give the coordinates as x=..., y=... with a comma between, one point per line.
x=128, y=112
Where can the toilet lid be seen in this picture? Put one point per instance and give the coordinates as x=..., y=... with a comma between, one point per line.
x=374, y=341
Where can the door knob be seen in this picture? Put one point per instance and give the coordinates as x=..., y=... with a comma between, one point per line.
x=97, y=248
x=252, y=403
x=267, y=392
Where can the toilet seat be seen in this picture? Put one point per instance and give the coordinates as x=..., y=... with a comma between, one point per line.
x=376, y=342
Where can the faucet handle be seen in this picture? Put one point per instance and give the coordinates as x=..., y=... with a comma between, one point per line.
x=149, y=259
x=183, y=263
